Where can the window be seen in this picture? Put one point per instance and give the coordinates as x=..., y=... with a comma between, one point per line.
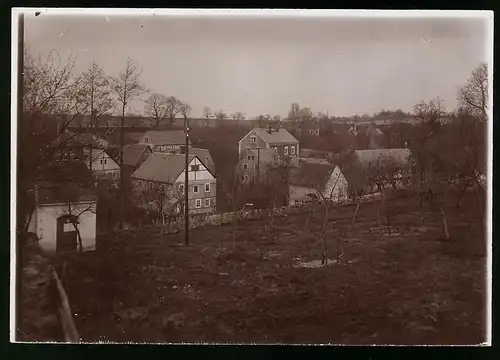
x=249, y=157
x=207, y=187
x=150, y=185
x=181, y=187
x=292, y=150
x=162, y=187
x=245, y=178
x=146, y=140
x=198, y=203
x=139, y=183
x=253, y=157
x=195, y=167
x=253, y=139
x=207, y=202
x=105, y=161
x=245, y=166
x=286, y=150
x=195, y=189
x=275, y=149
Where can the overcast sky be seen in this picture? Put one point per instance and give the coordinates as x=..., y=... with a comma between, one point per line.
x=261, y=65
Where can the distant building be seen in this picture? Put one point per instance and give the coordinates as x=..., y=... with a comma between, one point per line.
x=375, y=137
x=165, y=174
x=164, y=141
x=103, y=166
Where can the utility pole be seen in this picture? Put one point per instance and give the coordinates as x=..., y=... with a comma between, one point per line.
x=258, y=164
x=21, y=234
x=122, y=190
x=186, y=184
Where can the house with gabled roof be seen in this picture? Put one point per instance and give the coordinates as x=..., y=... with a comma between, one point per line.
x=204, y=156
x=164, y=141
x=165, y=173
x=278, y=140
x=317, y=178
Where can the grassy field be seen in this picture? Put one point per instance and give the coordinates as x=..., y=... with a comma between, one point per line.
x=409, y=286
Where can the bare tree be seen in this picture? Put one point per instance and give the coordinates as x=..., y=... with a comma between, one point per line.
x=126, y=86
x=95, y=97
x=473, y=96
x=220, y=116
x=381, y=174
x=156, y=106
x=207, y=114
x=50, y=104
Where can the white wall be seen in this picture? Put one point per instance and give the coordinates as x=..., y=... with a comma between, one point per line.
x=102, y=161
x=44, y=224
x=338, y=183
x=201, y=174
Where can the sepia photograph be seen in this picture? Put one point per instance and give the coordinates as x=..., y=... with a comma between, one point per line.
x=251, y=176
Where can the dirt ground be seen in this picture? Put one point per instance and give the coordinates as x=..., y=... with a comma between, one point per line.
x=409, y=286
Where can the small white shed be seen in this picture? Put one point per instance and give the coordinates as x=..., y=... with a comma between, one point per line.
x=53, y=220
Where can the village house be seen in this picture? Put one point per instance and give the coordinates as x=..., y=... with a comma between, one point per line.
x=204, y=156
x=64, y=208
x=279, y=140
x=164, y=141
x=166, y=173
x=317, y=179
x=255, y=162
x=133, y=156
x=102, y=165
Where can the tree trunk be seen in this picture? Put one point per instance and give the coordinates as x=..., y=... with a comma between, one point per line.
x=78, y=236
x=445, y=225
x=324, y=257
x=356, y=211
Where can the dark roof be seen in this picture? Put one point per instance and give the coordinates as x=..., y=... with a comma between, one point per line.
x=70, y=171
x=205, y=158
x=55, y=192
x=164, y=168
x=133, y=153
x=165, y=137
x=311, y=174
x=281, y=136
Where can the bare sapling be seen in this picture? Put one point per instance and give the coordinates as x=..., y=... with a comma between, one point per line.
x=356, y=210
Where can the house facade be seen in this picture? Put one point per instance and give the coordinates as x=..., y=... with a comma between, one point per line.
x=102, y=165
x=279, y=140
x=164, y=175
x=164, y=141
